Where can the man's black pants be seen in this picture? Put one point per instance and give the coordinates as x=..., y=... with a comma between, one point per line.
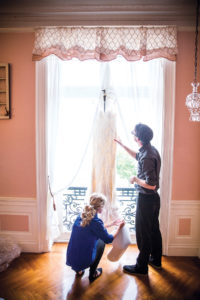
x=148, y=234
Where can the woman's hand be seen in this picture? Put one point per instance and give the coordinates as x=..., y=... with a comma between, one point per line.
x=114, y=223
x=121, y=224
x=119, y=228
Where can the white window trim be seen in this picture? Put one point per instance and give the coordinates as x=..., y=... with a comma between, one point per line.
x=41, y=164
x=167, y=151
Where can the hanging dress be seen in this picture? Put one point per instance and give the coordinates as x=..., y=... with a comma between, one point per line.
x=104, y=157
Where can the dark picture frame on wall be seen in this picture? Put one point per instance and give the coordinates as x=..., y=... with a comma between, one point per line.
x=5, y=112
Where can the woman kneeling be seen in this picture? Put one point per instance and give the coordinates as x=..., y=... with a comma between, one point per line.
x=88, y=238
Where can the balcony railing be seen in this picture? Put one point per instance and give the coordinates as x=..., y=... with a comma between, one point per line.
x=74, y=201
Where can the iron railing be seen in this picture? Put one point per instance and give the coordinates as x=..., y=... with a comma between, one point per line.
x=74, y=201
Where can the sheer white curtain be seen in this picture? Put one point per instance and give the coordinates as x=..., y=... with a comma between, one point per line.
x=71, y=113
x=47, y=117
x=139, y=89
x=73, y=96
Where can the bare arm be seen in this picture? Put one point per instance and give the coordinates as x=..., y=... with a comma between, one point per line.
x=142, y=183
x=130, y=151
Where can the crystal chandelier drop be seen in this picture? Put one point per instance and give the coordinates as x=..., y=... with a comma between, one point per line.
x=193, y=99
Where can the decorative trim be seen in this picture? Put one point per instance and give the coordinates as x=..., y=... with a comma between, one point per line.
x=183, y=203
x=28, y=240
x=105, y=43
x=17, y=201
x=30, y=29
x=184, y=245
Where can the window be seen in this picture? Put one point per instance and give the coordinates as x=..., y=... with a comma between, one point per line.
x=80, y=92
x=161, y=85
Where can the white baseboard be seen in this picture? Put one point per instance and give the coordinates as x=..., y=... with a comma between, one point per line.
x=184, y=244
x=27, y=240
x=183, y=250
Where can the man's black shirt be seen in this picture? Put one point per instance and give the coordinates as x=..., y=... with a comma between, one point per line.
x=149, y=164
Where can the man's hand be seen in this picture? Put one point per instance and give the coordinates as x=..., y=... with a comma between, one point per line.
x=130, y=151
x=118, y=141
x=141, y=182
x=133, y=179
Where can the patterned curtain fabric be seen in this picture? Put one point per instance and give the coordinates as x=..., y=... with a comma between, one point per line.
x=105, y=43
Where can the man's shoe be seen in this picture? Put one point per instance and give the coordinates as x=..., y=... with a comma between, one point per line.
x=154, y=264
x=134, y=270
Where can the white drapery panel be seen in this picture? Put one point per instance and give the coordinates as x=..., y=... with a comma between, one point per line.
x=71, y=110
x=47, y=106
x=106, y=43
x=140, y=96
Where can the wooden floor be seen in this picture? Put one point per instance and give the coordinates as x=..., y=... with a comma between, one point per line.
x=45, y=276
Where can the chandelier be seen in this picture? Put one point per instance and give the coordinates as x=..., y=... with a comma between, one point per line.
x=193, y=99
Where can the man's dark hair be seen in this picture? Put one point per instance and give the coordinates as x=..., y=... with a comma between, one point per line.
x=144, y=133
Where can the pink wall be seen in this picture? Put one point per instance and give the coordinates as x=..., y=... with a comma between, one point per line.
x=14, y=222
x=17, y=146
x=186, y=169
x=17, y=150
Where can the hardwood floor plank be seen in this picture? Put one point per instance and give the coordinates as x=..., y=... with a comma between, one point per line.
x=46, y=277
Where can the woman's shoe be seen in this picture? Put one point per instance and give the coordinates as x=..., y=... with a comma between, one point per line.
x=80, y=273
x=96, y=275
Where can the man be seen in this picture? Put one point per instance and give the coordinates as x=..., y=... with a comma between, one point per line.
x=148, y=234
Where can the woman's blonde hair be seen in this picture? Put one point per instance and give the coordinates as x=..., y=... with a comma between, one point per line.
x=97, y=200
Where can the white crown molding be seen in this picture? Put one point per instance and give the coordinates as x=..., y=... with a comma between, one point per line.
x=97, y=12
x=17, y=30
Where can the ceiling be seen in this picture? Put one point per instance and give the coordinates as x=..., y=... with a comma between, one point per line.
x=29, y=14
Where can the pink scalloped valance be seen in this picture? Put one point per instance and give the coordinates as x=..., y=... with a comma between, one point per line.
x=106, y=43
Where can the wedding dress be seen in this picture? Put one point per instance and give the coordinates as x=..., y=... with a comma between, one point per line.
x=104, y=157
x=104, y=170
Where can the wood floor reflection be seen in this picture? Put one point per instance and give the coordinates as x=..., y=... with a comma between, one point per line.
x=46, y=277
